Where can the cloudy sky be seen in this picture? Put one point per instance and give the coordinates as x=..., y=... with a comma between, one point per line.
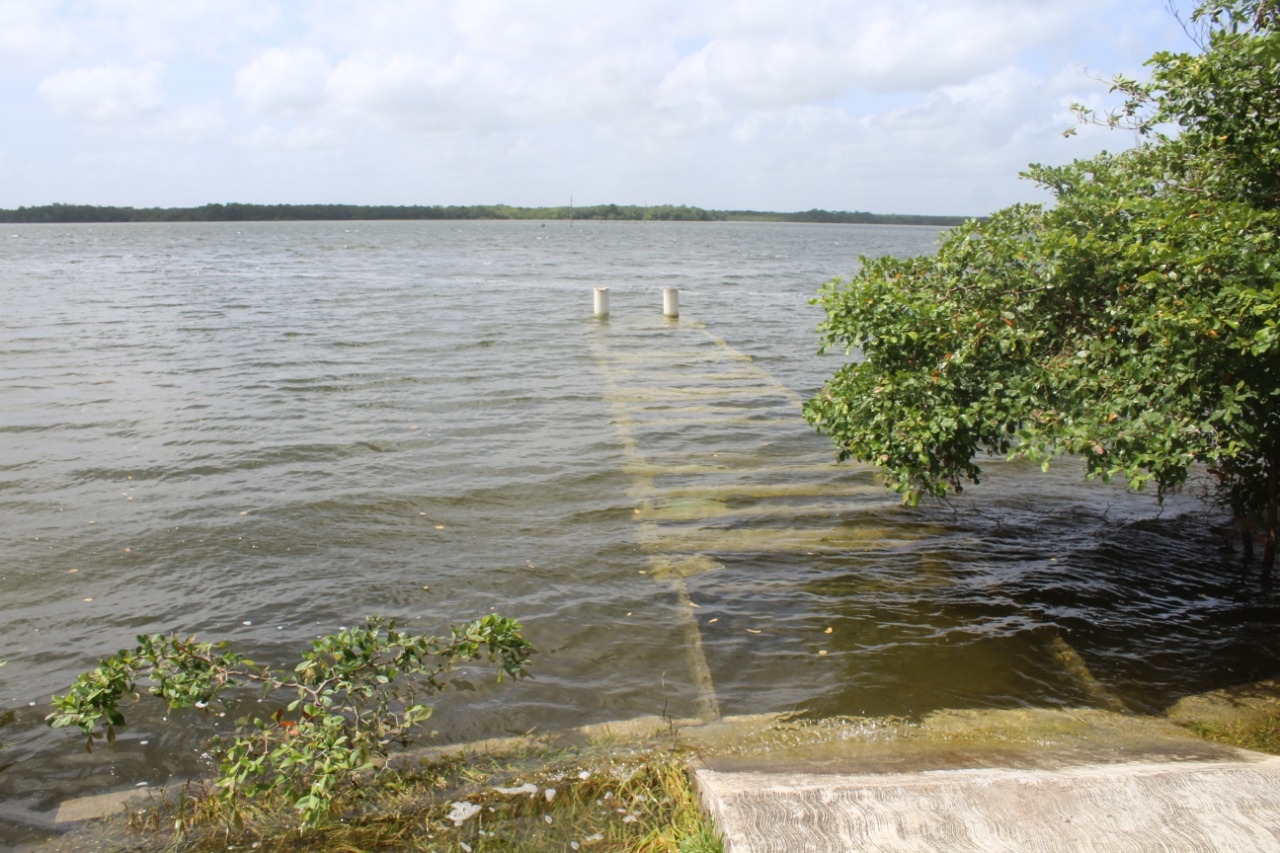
x=891, y=106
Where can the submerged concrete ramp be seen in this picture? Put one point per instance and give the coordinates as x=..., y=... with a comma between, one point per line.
x=988, y=782
x=723, y=466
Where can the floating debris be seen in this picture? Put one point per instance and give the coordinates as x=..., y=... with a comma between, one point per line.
x=527, y=788
x=462, y=812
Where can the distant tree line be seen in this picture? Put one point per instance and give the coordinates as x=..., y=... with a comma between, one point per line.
x=234, y=212
x=847, y=217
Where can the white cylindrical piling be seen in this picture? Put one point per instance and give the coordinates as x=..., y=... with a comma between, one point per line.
x=602, y=302
x=671, y=302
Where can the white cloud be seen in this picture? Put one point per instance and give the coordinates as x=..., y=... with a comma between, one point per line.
x=563, y=29
x=45, y=34
x=490, y=64
x=30, y=36
x=108, y=95
x=479, y=69
x=929, y=105
x=919, y=46
x=300, y=138
x=989, y=119
x=422, y=92
x=780, y=61
x=195, y=124
x=164, y=29
x=755, y=74
x=282, y=81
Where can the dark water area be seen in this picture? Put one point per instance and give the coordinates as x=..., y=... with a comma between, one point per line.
x=261, y=432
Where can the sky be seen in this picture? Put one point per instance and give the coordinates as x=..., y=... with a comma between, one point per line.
x=888, y=106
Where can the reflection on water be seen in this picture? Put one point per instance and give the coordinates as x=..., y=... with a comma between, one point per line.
x=262, y=432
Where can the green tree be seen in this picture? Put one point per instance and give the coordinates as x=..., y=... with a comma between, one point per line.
x=1132, y=323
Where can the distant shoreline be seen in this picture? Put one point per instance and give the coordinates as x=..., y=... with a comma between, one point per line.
x=68, y=213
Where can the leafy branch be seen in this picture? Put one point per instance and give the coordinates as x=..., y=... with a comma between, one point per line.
x=351, y=696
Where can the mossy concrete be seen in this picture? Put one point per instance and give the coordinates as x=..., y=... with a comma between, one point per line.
x=1243, y=705
x=983, y=780
x=1005, y=780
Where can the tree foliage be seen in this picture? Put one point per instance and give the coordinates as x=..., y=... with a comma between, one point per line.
x=348, y=699
x=1132, y=323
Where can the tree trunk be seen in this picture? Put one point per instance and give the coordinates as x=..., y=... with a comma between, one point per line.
x=1272, y=519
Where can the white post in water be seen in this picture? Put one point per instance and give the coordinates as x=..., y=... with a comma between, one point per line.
x=602, y=302
x=671, y=302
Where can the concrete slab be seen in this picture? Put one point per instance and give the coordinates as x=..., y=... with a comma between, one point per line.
x=991, y=781
x=104, y=805
x=1112, y=808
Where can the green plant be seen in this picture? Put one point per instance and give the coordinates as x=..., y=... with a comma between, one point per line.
x=524, y=795
x=350, y=697
x=1133, y=324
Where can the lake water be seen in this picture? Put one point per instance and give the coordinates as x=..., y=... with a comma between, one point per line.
x=264, y=431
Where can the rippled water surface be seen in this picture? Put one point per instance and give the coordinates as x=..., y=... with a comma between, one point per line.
x=264, y=431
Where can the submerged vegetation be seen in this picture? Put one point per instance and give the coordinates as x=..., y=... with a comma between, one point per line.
x=312, y=767
x=520, y=799
x=310, y=764
x=322, y=731
x=67, y=213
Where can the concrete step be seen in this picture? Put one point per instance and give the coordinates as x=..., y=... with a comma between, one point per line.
x=989, y=781
x=1109, y=808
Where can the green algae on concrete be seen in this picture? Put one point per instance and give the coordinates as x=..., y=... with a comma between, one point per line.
x=1019, y=750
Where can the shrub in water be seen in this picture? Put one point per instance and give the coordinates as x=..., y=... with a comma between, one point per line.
x=349, y=698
